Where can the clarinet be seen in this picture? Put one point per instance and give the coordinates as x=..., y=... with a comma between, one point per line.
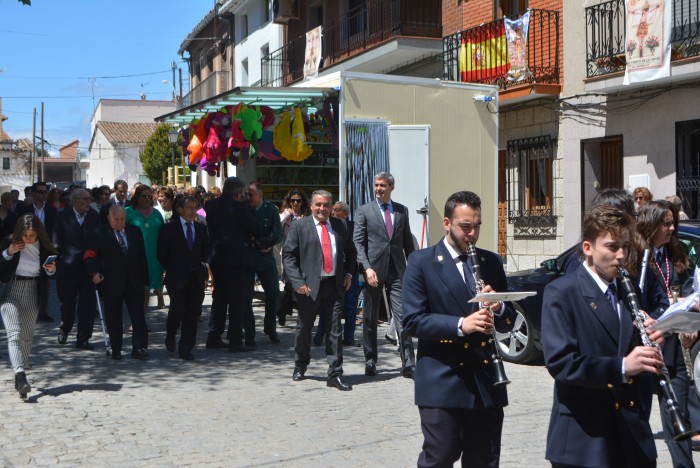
x=681, y=431
x=496, y=360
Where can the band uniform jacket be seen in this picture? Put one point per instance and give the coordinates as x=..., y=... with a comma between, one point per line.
x=597, y=417
x=303, y=258
x=177, y=259
x=451, y=371
x=374, y=247
x=122, y=273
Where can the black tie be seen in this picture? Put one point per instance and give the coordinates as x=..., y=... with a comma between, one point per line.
x=468, y=275
x=659, y=257
x=611, y=294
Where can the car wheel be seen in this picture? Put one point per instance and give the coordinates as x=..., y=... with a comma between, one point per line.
x=518, y=345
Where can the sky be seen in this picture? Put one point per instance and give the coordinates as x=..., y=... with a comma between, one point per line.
x=64, y=52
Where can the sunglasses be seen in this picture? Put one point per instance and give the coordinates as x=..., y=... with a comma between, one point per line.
x=41, y=192
x=639, y=198
x=295, y=200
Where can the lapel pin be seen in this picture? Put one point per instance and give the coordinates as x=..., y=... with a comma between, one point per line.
x=593, y=306
x=439, y=257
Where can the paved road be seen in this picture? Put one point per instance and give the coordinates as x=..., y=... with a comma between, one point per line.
x=233, y=409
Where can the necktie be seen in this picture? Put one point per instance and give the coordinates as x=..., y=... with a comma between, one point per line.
x=611, y=294
x=122, y=244
x=387, y=219
x=326, y=248
x=468, y=275
x=190, y=235
x=659, y=257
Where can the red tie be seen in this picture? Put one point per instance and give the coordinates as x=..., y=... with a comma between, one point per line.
x=326, y=248
x=387, y=219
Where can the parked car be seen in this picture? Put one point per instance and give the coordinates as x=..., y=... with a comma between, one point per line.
x=524, y=343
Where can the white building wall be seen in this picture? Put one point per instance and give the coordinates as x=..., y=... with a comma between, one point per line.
x=109, y=163
x=129, y=111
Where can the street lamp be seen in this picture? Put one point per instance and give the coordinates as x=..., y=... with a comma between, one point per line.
x=172, y=138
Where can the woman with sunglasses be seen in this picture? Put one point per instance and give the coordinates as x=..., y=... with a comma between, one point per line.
x=642, y=196
x=144, y=216
x=100, y=196
x=23, y=260
x=294, y=206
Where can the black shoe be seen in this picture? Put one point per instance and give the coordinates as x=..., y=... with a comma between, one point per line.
x=62, y=337
x=409, y=371
x=84, y=345
x=139, y=353
x=216, y=343
x=338, y=383
x=318, y=340
x=186, y=356
x=696, y=445
x=274, y=337
x=390, y=339
x=170, y=343
x=21, y=384
x=44, y=318
x=251, y=344
x=298, y=374
x=282, y=319
x=350, y=343
x=371, y=369
x=241, y=348
x=117, y=355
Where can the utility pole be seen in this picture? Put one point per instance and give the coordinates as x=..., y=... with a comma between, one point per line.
x=174, y=67
x=42, y=143
x=32, y=156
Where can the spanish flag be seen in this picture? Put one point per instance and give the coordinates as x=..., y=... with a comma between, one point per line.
x=483, y=54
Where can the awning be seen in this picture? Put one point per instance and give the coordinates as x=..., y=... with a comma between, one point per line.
x=274, y=97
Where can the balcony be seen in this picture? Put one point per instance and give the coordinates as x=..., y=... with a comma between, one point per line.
x=365, y=27
x=543, y=47
x=605, y=35
x=213, y=85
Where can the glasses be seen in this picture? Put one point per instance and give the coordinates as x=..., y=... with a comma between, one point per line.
x=82, y=198
x=295, y=200
x=639, y=198
x=41, y=192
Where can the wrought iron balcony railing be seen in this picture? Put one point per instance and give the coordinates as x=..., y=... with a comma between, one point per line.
x=214, y=84
x=370, y=24
x=605, y=35
x=543, y=46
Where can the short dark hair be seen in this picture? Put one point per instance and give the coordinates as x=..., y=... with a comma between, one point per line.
x=617, y=198
x=182, y=201
x=36, y=184
x=601, y=219
x=232, y=186
x=461, y=198
x=119, y=182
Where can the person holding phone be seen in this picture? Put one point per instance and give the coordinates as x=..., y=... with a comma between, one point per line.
x=24, y=261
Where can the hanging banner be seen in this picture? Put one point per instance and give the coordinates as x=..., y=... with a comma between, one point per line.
x=647, y=40
x=312, y=55
x=516, y=36
x=483, y=55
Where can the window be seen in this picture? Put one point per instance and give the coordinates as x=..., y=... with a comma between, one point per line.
x=266, y=11
x=531, y=182
x=244, y=72
x=244, y=26
x=6, y=164
x=509, y=8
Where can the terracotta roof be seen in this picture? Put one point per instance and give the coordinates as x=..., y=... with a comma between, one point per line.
x=4, y=136
x=132, y=133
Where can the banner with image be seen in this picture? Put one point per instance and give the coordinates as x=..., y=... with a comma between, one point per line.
x=516, y=37
x=312, y=55
x=647, y=40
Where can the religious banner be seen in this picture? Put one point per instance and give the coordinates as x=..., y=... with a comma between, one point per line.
x=647, y=40
x=483, y=55
x=516, y=36
x=312, y=55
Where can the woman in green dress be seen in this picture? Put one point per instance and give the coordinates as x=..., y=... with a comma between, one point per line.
x=144, y=216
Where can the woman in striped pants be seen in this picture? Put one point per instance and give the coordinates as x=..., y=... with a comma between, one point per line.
x=23, y=259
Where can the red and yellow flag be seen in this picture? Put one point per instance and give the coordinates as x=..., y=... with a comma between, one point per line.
x=483, y=54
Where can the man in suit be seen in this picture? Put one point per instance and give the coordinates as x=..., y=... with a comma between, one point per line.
x=121, y=190
x=383, y=241
x=117, y=263
x=602, y=377
x=232, y=229
x=47, y=216
x=268, y=216
x=461, y=410
x=183, y=250
x=319, y=259
x=76, y=228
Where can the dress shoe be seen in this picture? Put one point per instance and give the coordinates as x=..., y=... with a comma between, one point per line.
x=282, y=319
x=351, y=343
x=318, y=340
x=117, y=355
x=241, y=348
x=21, y=384
x=338, y=383
x=84, y=345
x=298, y=374
x=62, y=337
x=139, y=353
x=409, y=371
x=186, y=356
x=170, y=343
x=216, y=343
x=370, y=369
x=44, y=318
x=274, y=337
x=251, y=344
x=390, y=339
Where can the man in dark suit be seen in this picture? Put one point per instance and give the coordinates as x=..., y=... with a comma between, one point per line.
x=461, y=410
x=121, y=190
x=76, y=228
x=47, y=216
x=117, y=263
x=383, y=241
x=268, y=216
x=319, y=259
x=232, y=229
x=602, y=377
x=183, y=250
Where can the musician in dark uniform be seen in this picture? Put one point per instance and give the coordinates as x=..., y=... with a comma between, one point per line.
x=603, y=377
x=461, y=410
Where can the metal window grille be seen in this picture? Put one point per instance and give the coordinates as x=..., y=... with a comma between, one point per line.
x=531, y=181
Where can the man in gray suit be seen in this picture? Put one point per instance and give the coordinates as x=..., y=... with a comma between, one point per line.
x=319, y=259
x=383, y=240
